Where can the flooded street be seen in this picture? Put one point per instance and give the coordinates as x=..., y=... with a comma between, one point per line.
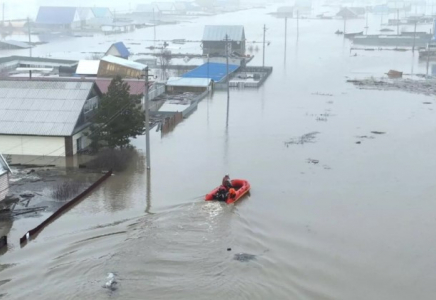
x=347, y=215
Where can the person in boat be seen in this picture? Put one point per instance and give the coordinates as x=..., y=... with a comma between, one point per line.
x=232, y=193
x=227, y=183
x=221, y=194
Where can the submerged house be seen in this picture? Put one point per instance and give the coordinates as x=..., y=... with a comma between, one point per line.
x=4, y=177
x=58, y=18
x=101, y=16
x=214, y=39
x=46, y=117
x=351, y=12
x=118, y=50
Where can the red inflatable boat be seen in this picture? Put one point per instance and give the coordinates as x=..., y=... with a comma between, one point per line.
x=241, y=186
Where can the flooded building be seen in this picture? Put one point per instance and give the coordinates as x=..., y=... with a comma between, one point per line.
x=87, y=68
x=58, y=18
x=214, y=39
x=111, y=66
x=4, y=177
x=101, y=16
x=118, y=50
x=46, y=117
x=182, y=85
x=351, y=12
x=13, y=45
x=214, y=71
x=166, y=8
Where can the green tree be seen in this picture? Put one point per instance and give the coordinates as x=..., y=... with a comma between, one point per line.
x=118, y=117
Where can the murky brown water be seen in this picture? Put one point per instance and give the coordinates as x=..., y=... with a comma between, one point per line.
x=356, y=225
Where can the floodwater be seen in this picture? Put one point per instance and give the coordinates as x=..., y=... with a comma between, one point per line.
x=327, y=219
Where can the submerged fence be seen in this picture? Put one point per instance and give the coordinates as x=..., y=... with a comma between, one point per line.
x=35, y=231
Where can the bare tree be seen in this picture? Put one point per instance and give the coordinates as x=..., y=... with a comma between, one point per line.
x=164, y=61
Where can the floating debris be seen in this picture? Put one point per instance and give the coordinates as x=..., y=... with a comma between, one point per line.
x=244, y=257
x=312, y=161
x=305, y=138
x=426, y=87
x=378, y=132
x=111, y=283
x=322, y=94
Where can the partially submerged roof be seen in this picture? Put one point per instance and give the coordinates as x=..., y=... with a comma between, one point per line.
x=124, y=62
x=88, y=67
x=218, y=32
x=16, y=44
x=44, y=108
x=188, y=82
x=56, y=15
x=214, y=71
x=121, y=48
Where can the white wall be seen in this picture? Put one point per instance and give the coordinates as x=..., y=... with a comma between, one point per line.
x=4, y=185
x=32, y=145
x=113, y=51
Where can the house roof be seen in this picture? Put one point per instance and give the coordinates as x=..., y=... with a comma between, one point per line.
x=88, y=67
x=218, y=32
x=188, y=82
x=55, y=15
x=181, y=6
x=124, y=62
x=4, y=167
x=122, y=49
x=44, y=108
x=214, y=71
x=136, y=85
x=17, y=44
x=101, y=12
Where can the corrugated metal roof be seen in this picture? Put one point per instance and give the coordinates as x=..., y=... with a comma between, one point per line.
x=88, y=67
x=48, y=108
x=189, y=82
x=218, y=32
x=214, y=71
x=56, y=15
x=122, y=49
x=124, y=62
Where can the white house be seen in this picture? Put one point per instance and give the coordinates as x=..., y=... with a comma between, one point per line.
x=46, y=117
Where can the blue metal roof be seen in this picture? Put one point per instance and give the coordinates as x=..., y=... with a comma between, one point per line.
x=101, y=12
x=122, y=49
x=214, y=71
x=56, y=15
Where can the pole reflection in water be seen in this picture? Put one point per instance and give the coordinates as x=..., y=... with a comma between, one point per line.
x=148, y=192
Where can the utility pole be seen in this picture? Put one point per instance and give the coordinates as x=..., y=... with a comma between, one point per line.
x=398, y=21
x=263, y=59
x=147, y=119
x=286, y=34
x=298, y=28
x=345, y=24
x=227, y=77
x=154, y=29
x=414, y=36
x=30, y=39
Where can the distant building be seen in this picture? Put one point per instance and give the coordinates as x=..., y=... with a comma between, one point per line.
x=118, y=50
x=101, y=16
x=214, y=71
x=85, y=15
x=166, y=8
x=58, y=17
x=4, y=177
x=88, y=68
x=117, y=27
x=214, y=39
x=285, y=12
x=46, y=117
x=351, y=12
x=148, y=11
x=181, y=8
x=111, y=66
x=12, y=45
x=180, y=85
